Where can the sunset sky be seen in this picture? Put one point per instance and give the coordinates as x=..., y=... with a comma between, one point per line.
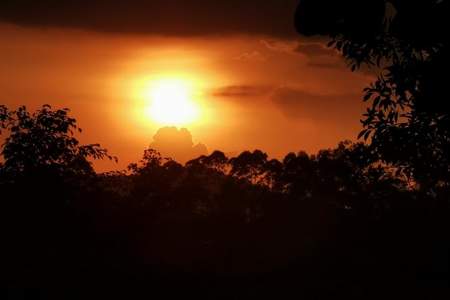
x=234, y=73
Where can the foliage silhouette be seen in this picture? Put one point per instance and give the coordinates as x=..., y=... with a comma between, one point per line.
x=407, y=42
x=44, y=141
x=216, y=219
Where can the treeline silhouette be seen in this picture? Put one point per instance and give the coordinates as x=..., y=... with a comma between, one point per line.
x=247, y=226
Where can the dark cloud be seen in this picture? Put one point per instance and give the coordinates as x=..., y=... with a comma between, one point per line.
x=280, y=45
x=252, y=56
x=339, y=65
x=315, y=49
x=320, y=56
x=177, y=144
x=240, y=91
x=162, y=17
x=311, y=47
x=333, y=65
x=296, y=103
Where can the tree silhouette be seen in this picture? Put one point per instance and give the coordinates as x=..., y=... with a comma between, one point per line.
x=216, y=161
x=249, y=166
x=45, y=141
x=297, y=175
x=406, y=41
x=3, y=116
x=333, y=212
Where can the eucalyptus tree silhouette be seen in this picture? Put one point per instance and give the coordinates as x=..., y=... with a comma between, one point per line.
x=216, y=161
x=249, y=165
x=407, y=123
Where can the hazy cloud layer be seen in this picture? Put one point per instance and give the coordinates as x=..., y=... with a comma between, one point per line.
x=241, y=91
x=254, y=56
x=296, y=103
x=282, y=46
x=314, y=49
x=163, y=17
x=330, y=64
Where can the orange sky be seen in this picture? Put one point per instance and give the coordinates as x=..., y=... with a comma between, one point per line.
x=254, y=92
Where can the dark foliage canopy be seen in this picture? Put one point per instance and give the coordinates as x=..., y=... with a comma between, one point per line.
x=407, y=42
x=45, y=141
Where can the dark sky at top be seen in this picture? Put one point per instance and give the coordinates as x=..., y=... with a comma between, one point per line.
x=162, y=17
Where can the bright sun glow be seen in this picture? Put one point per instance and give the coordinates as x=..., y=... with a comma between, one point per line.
x=171, y=102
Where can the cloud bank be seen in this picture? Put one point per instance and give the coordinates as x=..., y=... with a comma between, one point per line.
x=296, y=103
x=162, y=17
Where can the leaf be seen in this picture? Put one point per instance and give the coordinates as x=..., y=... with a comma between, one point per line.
x=362, y=133
x=367, y=96
x=376, y=101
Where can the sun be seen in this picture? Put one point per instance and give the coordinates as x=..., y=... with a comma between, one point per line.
x=171, y=102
